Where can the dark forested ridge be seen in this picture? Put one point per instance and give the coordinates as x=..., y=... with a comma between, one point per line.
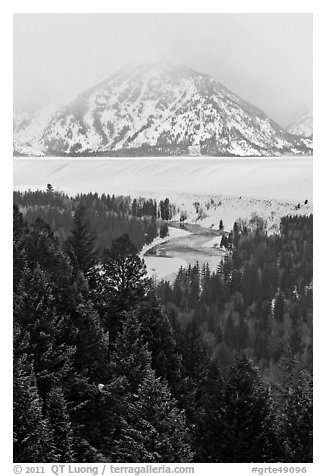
x=259, y=300
x=109, y=216
x=109, y=367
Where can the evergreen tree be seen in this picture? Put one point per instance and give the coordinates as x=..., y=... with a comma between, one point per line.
x=128, y=368
x=90, y=364
x=33, y=439
x=165, y=209
x=151, y=230
x=224, y=241
x=134, y=208
x=125, y=281
x=164, y=230
x=153, y=429
x=235, y=234
x=237, y=415
x=124, y=269
x=247, y=417
x=81, y=243
x=131, y=356
x=90, y=340
x=59, y=423
x=43, y=249
x=158, y=333
x=20, y=231
x=295, y=415
x=210, y=431
x=19, y=225
x=35, y=313
x=279, y=306
x=249, y=282
x=194, y=365
x=194, y=286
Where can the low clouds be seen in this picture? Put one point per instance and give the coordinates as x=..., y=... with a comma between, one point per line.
x=264, y=58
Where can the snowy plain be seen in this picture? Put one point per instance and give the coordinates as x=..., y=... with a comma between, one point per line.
x=283, y=178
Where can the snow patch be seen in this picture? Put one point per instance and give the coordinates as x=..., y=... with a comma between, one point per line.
x=173, y=233
x=161, y=268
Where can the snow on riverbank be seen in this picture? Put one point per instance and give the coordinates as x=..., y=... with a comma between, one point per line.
x=209, y=210
x=173, y=233
x=161, y=267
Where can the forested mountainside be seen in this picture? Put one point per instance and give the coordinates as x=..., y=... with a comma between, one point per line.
x=258, y=301
x=225, y=355
x=154, y=109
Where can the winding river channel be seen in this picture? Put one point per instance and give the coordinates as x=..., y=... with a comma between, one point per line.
x=188, y=246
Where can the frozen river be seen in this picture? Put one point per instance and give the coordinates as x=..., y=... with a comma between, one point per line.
x=182, y=248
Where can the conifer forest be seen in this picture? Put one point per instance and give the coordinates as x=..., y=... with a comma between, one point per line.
x=110, y=365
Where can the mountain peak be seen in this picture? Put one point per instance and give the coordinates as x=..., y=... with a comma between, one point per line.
x=160, y=107
x=160, y=65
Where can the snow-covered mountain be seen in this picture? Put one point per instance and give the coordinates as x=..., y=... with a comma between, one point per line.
x=29, y=128
x=302, y=126
x=27, y=134
x=159, y=108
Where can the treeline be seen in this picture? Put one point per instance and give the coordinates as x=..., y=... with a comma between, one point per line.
x=259, y=300
x=103, y=373
x=145, y=150
x=110, y=217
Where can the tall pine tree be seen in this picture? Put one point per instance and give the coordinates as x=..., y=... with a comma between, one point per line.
x=33, y=438
x=295, y=412
x=125, y=282
x=153, y=429
x=59, y=422
x=236, y=423
x=81, y=243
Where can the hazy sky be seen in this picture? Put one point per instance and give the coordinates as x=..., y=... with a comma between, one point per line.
x=264, y=58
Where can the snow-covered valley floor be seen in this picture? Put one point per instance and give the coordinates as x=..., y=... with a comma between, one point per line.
x=283, y=178
x=226, y=189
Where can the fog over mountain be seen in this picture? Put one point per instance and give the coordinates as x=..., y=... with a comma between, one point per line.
x=263, y=58
x=303, y=125
x=156, y=108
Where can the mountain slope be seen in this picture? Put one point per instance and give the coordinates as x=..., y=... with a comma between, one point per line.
x=157, y=108
x=27, y=131
x=29, y=128
x=303, y=126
